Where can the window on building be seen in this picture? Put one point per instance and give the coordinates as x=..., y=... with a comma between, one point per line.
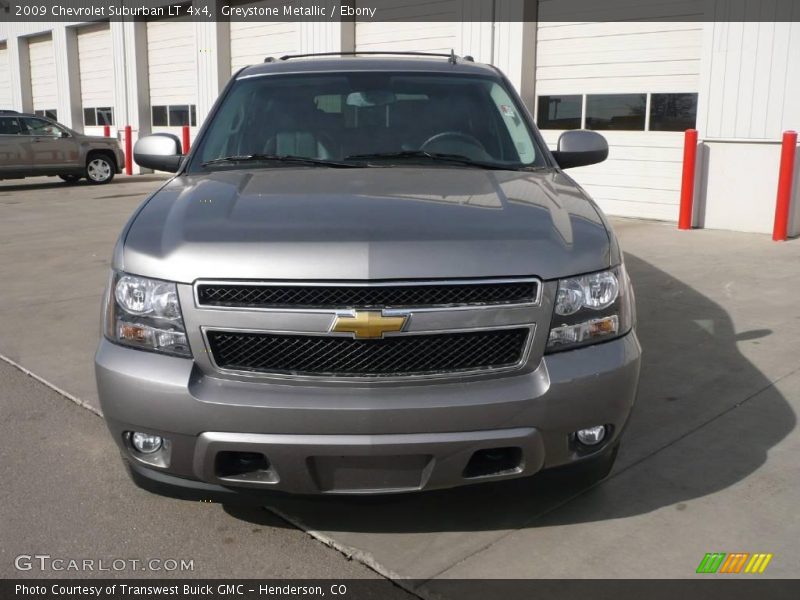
x=179, y=115
x=50, y=113
x=616, y=111
x=673, y=112
x=98, y=116
x=559, y=112
x=160, y=116
x=174, y=115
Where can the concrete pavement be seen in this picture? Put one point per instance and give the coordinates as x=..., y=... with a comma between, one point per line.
x=67, y=495
x=708, y=463
x=55, y=249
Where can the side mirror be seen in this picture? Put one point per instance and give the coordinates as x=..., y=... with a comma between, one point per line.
x=579, y=148
x=160, y=152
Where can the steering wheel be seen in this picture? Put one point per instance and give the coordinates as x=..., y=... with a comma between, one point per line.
x=452, y=136
x=456, y=142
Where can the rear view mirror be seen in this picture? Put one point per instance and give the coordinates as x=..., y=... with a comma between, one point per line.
x=579, y=148
x=160, y=152
x=368, y=99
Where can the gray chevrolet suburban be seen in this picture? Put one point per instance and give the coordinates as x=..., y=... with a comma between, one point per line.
x=34, y=146
x=369, y=275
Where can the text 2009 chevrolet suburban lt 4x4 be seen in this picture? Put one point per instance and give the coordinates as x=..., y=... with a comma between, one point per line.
x=369, y=275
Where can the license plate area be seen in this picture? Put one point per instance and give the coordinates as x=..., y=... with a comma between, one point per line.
x=354, y=474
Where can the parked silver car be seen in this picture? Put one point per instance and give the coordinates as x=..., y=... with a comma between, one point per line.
x=33, y=146
x=370, y=275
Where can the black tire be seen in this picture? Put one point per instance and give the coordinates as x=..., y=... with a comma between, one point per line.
x=100, y=169
x=591, y=470
x=70, y=178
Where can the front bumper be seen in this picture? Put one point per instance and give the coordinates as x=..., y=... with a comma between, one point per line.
x=366, y=439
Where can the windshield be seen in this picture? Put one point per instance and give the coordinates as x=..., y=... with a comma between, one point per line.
x=368, y=119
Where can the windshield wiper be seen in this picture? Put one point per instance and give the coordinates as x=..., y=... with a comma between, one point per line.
x=458, y=159
x=282, y=158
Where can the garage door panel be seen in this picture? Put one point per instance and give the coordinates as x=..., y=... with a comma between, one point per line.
x=421, y=10
x=602, y=190
x=684, y=42
x=664, y=183
x=96, y=66
x=633, y=68
x=5, y=78
x=44, y=92
x=253, y=41
x=657, y=54
x=172, y=62
x=587, y=32
x=639, y=209
x=621, y=85
x=412, y=25
x=645, y=56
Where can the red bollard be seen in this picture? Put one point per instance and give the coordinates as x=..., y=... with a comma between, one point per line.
x=687, y=182
x=128, y=151
x=785, y=176
x=106, y=131
x=185, y=139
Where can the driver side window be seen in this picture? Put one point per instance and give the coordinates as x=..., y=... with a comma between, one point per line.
x=9, y=126
x=41, y=127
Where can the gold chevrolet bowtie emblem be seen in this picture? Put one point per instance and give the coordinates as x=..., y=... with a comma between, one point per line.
x=368, y=324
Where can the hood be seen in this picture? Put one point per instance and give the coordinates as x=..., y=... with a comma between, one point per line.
x=290, y=223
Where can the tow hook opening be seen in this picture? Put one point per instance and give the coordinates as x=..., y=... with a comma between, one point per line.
x=491, y=462
x=244, y=467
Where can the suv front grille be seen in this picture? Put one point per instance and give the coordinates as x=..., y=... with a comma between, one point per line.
x=247, y=295
x=348, y=357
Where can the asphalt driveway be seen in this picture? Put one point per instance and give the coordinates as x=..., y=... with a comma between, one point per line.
x=708, y=463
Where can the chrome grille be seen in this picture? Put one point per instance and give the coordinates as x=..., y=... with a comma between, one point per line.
x=347, y=357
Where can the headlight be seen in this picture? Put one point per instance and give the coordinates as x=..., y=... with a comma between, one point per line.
x=145, y=313
x=591, y=308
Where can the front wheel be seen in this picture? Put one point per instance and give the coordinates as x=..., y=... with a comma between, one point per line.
x=99, y=169
x=70, y=178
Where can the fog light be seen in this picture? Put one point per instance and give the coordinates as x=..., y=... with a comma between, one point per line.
x=591, y=436
x=145, y=442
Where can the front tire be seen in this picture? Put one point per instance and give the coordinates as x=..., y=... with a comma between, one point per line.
x=70, y=178
x=100, y=169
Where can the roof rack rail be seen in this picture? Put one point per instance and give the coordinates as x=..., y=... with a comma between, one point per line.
x=452, y=57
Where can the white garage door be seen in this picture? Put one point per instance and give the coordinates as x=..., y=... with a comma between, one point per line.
x=5, y=78
x=171, y=60
x=637, y=84
x=404, y=27
x=97, y=76
x=172, y=65
x=253, y=41
x=43, y=76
